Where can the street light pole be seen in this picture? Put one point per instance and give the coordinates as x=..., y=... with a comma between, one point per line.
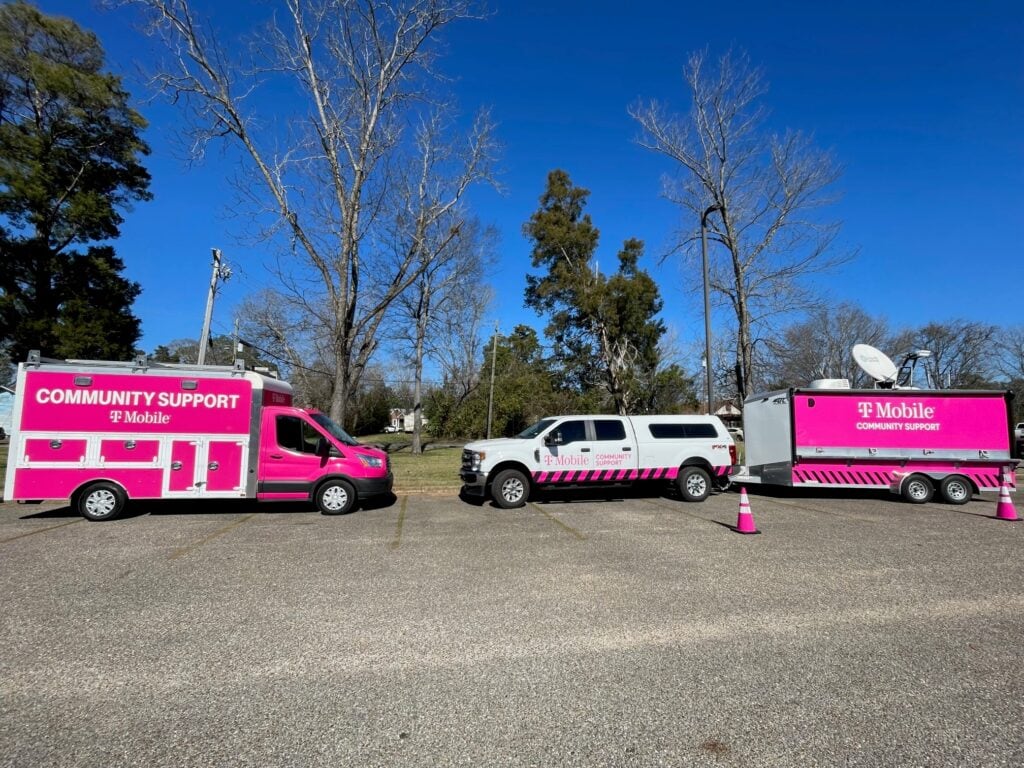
x=707, y=299
x=220, y=272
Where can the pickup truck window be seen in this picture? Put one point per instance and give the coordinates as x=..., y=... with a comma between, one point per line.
x=572, y=431
x=677, y=431
x=609, y=430
x=536, y=429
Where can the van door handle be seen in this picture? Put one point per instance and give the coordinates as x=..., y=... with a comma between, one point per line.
x=627, y=448
x=276, y=456
x=584, y=450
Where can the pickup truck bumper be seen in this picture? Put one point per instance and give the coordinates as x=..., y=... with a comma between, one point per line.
x=473, y=483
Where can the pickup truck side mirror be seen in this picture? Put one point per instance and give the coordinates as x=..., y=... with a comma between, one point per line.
x=553, y=438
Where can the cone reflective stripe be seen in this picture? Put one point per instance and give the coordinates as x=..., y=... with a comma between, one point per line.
x=1005, y=509
x=745, y=521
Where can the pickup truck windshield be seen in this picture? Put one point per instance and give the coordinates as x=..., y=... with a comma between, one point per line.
x=536, y=429
x=333, y=429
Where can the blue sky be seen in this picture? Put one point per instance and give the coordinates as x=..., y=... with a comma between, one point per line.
x=922, y=103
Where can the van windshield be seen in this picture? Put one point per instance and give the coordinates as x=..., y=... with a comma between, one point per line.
x=536, y=429
x=333, y=429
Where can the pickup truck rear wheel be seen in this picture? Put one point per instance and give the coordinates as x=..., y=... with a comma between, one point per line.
x=336, y=497
x=510, y=489
x=101, y=501
x=694, y=484
x=918, y=489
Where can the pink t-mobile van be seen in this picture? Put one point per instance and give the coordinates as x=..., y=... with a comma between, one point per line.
x=102, y=433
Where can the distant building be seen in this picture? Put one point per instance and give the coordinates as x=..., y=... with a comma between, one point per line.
x=402, y=420
x=6, y=407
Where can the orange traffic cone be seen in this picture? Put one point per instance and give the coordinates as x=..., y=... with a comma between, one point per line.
x=1005, y=509
x=745, y=521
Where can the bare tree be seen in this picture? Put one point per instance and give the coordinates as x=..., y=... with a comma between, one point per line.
x=963, y=352
x=324, y=183
x=445, y=304
x=820, y=347
x=1009, y=353
x=763, y=188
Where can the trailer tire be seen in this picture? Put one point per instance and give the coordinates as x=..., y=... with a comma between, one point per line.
x=101, y=501
x=510, y=489
x=694, y=484
x=918, y=489
x=335, y=497
x=956, y=489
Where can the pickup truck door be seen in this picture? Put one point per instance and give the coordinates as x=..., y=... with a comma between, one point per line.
x=566, y=452
x=615, y=454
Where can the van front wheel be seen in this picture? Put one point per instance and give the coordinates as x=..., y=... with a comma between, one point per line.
x=101, y=501
x=336, y=497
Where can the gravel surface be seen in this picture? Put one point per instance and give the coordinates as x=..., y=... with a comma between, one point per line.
x=433, y=632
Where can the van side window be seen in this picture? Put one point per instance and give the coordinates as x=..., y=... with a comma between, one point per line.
x=572, y=431
x=296, y=435
x=609, y=430
x=678, y=431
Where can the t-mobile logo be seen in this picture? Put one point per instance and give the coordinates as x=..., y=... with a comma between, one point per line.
x=865, y=409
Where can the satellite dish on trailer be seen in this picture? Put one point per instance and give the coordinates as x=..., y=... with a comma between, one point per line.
x=876, y=364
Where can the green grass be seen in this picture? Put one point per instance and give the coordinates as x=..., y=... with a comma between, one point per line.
x=435, y=470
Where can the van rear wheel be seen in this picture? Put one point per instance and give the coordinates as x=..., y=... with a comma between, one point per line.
x=335, y=497
x=101, y=501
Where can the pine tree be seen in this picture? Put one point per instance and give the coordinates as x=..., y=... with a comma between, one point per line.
x=69, y=164
x=605, y=330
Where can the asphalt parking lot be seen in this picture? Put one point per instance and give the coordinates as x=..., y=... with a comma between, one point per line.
x=432, y=632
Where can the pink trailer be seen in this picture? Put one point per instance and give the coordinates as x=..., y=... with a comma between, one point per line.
x=911, y=442
x=101, y=433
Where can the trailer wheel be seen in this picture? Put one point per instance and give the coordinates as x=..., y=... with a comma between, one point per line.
x=510, y=489
x=101, y=501
x=956, y=489
x=918, y=489
x=694, y=484
x=335, y=497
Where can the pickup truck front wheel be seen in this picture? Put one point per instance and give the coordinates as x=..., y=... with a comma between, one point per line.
x=694, y=484
x=510, y=489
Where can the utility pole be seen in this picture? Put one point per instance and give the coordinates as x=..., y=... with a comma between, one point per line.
x=490, y=396
x=220, y=272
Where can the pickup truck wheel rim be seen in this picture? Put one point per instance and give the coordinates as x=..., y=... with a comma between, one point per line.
x=335, y=497
x=695, y=485
x=512, y=490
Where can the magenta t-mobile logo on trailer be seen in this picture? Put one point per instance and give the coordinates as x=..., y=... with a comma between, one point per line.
x=884, y=410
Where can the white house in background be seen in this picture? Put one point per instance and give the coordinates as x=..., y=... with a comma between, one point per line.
x=402, y=420
x=6, y=406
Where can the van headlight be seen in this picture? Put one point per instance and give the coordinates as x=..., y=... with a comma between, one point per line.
x=370, y=461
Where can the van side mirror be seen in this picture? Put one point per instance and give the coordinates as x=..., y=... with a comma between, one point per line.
x=553, y=438
x=323, y=448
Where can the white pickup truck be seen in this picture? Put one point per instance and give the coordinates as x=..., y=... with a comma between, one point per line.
x=694, y=452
